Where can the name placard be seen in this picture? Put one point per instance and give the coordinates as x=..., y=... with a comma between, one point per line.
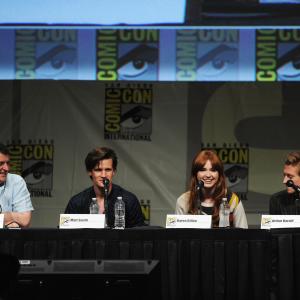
x=81, y=221
x=280, y=221
x=188, y=221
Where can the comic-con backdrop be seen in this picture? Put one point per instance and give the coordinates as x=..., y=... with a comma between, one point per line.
x=156, y=129
x=151, y=54
x=157, y=97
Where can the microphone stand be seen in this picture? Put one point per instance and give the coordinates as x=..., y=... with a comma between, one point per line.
x=106, y=185
x=291, y=184
x=199, y=203
x=198, y=188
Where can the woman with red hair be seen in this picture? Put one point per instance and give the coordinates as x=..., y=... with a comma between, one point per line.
x=207, y=189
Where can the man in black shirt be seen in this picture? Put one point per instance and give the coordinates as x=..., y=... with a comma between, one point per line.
x=101, y=165
x=287, y=202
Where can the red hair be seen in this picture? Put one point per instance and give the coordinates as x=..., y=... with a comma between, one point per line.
x=220, y=189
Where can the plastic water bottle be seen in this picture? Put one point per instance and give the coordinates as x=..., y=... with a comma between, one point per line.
x=224, y=213
x=94, y=208
x=119, y=213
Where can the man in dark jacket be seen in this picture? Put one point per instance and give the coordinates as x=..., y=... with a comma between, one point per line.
x=101, y=165
x=287, y=202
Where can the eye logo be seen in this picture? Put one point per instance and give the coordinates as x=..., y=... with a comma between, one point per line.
x=288, y=64
x=53, y=62
x=131, y=116
x=34, y=163
x=235, y=174
x=266, y=221
x=135, y=117
x=139, y=63
x=36, y=173
x=171, y=221
x=64, y=220
x=218, y=62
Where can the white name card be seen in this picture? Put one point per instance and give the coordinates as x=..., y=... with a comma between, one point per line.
x=67, y=221
x=188, y=221
x=1, y=220
x=280, y=221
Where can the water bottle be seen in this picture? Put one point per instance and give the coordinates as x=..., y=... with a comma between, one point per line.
x=119, y=213
x=94, y=208
x=224, y=213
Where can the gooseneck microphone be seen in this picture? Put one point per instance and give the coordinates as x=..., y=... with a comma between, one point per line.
x=105, y=182
x=199, y=185
x=291, y=184
x=106, y=186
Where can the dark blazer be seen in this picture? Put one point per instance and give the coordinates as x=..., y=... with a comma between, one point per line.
x=283, y=203
x=79, y=204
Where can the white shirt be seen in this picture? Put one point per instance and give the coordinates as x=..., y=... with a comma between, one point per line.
x=14, y=194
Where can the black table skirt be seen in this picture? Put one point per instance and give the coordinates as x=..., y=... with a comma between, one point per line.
x=195, y=264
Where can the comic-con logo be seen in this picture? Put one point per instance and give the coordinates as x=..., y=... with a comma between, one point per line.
x=146, y=208
x=128, y=112
x=64, y=220
x=34, y=162
x=266, y=221
x=207, y=55
x=277, y=54
x=171, y=221
x=127, y=54
x=42, y=54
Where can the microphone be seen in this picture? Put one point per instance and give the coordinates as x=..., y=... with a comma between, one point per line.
x=291, y=184
x=199, y=185
x=105, y=182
